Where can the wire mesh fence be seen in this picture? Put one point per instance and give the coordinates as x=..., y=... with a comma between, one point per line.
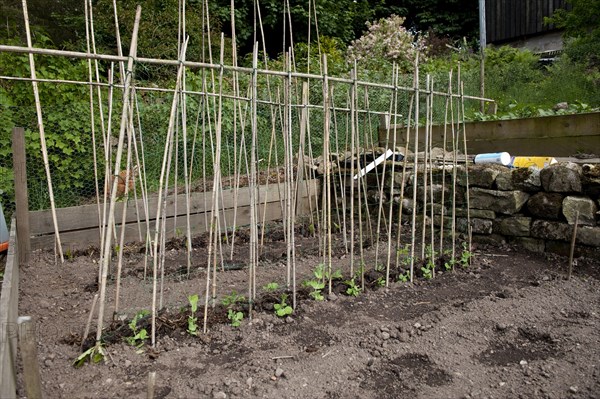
x=81, y=124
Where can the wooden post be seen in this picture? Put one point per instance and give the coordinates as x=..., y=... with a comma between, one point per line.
x=151, y=385
x=21, y=195
x=28, y=347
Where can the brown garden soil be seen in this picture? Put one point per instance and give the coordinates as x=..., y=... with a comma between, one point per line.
x=509, y=326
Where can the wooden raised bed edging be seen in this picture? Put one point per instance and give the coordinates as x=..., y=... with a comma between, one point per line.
x=9, y=300
x=79, y=225
x=557, y=136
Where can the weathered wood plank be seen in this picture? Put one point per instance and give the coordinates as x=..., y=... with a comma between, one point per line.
x=86, y=216
x=558, y=136
x=8, y=318
x=89, y=236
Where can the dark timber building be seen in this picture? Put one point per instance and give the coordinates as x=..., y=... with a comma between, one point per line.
x=520, y=23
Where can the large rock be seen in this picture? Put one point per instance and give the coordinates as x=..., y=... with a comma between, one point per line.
x=530, y=244
x=479, y=175
x=547, y=230
x=524, y=179
x=474, y=213
x=585, y=206
x=545, y=205
x=513, y=226
x=561, y=178
x=435, y=189
x=479, y=226
x=589, y=236
x=505, y=202
x=591, y=180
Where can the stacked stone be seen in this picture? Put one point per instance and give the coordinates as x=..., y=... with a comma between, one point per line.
x=527, y=206
x=531, y=207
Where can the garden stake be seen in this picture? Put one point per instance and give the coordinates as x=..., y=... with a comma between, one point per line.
x=89, y=322
x=40, y=121
x=573, y=238
x=151, y=385
x=163, y=185
x=113, y=196
x=403, y=182
x=428, y=108
x=391, y=197
x=415, y=170
x=462, y=122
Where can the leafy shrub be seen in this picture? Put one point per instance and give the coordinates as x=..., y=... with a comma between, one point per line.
x=387, y=40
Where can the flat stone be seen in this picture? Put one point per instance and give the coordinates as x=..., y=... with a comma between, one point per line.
x=585, y=206
x=518, y=226
x=546, y=205
x=530, y=244
x=588, y=236
x=548, y=230
x=562, y=178
x=526, y=179
x=491, y=239
x=479, y=175
x=504, y=181
x=474, y=213
x=434, y=189
x=504, y=202
x=479, y=226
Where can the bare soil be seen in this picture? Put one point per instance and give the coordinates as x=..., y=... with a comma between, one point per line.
x=509, y=326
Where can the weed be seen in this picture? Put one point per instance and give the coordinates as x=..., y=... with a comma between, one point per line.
x=139, y=335
x=353, y=289
x=282, y=309
x=235, y=317
x=380, y=282
x=379, y=267
x=192, y=319
x=271, y=287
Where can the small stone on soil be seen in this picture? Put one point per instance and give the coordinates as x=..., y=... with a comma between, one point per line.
x=332, y=297
x=573, y=389
x=219, y=395
x=385, y=335
x=289, y=320
x=249, y=382
x=278, y=372
x=417, y=325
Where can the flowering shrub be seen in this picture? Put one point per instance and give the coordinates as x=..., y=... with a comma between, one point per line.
x=387, y=40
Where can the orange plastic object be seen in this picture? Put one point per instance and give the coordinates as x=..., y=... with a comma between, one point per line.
x=3, y=246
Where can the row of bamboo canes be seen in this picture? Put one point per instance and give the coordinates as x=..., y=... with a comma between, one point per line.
x=296, y=142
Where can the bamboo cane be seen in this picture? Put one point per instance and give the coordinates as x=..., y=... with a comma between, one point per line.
x=161, y=188
x=40, y=121
x=113, y=196
x=415, y=169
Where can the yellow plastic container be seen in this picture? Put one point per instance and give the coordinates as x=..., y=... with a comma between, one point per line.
x=538, y=162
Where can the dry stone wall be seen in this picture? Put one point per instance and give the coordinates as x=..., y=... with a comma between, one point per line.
x=534, y=208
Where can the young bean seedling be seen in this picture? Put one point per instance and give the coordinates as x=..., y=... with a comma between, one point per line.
x=282, y=309
x=139, y=335
x=404, y=277
x=95, y=354
x=273, y=286
x=353, y=289
x=465, y=257
x=192, y=319
x=230, y=301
